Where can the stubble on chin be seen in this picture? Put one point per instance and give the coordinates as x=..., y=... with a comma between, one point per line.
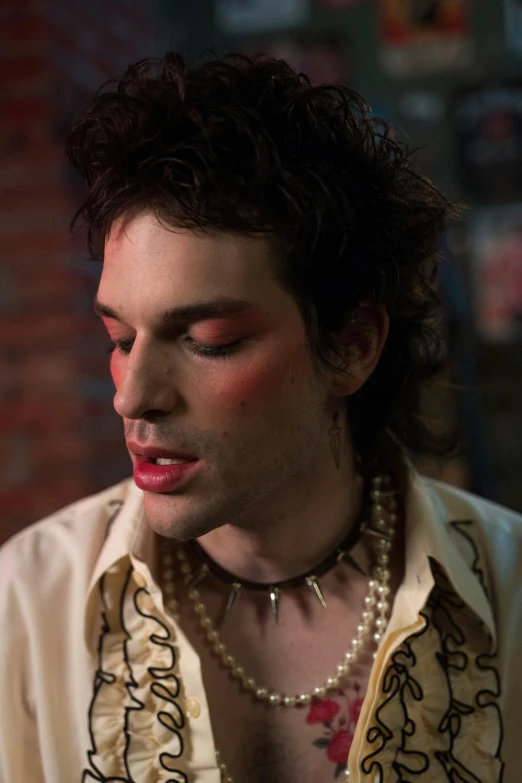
x=162, y=516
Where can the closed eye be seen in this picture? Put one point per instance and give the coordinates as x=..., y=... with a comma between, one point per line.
x=124, y=346
x=200, y=349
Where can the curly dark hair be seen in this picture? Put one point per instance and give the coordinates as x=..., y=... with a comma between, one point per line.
x=245, y=144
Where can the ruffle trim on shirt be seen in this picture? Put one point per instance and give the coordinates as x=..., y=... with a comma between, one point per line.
x=440, y=718
x=135, y=721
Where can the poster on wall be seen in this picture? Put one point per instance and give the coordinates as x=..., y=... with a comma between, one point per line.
x=256, y=16
x=513, y=25
x=323, y=57
x=496, y=254
x=419, y=37
x=488, y=127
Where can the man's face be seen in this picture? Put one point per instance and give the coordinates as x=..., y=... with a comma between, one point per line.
x=256, y=419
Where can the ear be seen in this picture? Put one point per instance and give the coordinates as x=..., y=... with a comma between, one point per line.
x=360, y=348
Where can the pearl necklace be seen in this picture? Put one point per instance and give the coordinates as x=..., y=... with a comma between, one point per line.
x=374, y=615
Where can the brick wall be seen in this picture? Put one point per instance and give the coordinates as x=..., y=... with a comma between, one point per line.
x=59, y=437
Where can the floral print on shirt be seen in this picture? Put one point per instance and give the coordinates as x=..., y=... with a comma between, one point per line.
x=338, y=717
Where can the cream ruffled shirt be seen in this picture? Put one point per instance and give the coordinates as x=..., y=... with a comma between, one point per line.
x=97, y=683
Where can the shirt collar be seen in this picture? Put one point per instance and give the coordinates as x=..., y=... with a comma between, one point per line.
x=131, y=539
x=428, y=519
x=128, y=539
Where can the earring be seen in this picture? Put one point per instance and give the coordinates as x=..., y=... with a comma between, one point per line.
x=335, y=440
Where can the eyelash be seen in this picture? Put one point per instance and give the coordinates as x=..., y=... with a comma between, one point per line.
x=209, y=351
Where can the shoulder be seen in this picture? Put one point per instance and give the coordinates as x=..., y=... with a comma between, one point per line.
x=68, y=538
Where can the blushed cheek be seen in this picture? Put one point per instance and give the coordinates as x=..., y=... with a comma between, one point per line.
x=116, y=371
x=258, y=387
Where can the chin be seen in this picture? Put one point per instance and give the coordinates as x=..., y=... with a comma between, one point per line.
x=167, y=519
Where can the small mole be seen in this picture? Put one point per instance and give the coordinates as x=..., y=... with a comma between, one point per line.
x=242, y=403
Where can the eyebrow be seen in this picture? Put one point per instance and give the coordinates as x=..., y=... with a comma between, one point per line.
x=198, y=311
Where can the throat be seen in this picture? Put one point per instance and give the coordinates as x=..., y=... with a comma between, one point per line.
x=281, y=551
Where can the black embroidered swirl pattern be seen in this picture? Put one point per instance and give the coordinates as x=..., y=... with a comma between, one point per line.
x=165, y=686
x=448, y=616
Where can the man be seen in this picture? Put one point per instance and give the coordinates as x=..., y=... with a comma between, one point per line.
x=276, y=595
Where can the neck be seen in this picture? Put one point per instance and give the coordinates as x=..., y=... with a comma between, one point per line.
x=295, y=531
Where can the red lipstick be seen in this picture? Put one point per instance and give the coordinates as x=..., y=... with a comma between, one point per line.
x=151, y=477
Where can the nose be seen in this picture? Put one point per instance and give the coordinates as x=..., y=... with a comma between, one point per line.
x=146, y=385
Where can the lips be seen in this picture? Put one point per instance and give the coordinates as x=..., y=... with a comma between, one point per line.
x=150, y=453
x=154, y=478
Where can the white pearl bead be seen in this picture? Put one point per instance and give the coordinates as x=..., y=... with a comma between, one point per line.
x=261, y=693
x=275, y=698
x=194, y=595
x=304, y=698
x=377, y=637
x=332, y=682
x=384, y=558
x=320, y=691
x=220, y=648
x=289, y=701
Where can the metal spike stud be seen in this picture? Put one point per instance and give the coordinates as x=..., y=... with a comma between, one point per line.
x=233, y=597
x=347, y=558
x=313, y=584
x=275, y=595
x=198, y=577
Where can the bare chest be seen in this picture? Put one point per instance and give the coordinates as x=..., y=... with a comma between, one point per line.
x=259, y=742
